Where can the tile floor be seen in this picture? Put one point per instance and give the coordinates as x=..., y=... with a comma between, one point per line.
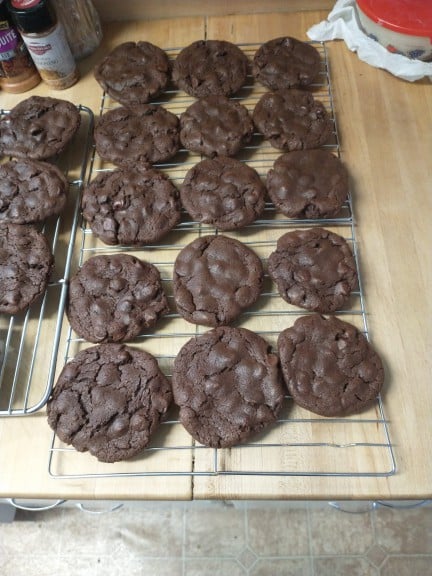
x=200, y=539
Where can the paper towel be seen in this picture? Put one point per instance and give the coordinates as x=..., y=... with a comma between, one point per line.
x=342, y=23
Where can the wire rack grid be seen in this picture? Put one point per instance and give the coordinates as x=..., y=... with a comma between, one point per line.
x=300, y=443
x=30, y=340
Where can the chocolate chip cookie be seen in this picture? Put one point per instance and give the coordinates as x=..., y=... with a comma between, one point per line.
x=223, y=192
x=131, y=206
x=109, y=400
x=215, y=279
x=26, y=262
x=210, y=67
x=292, y=120
x=113, y=298
x=314, y=269
x=38, y=128
x=228, y=386
x=216, y=126
x=31, y=191
x=134, y=72
x=308, y=184
x=286, y=63
x=329, y=366
x=145, y=134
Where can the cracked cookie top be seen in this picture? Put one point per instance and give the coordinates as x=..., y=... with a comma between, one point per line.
x=228, y=386
x=215, y=279
x=146, y=134
x=113, y=298
x=134, y=72
x=208, y=67
x=131, y=206
x=26, y=262
x=329, y=367
x=314, y=269
x=223, y=192
x=31, y=191
x=38, y=127
x=109, y=400
x=216, y=126
x=308, y=184
x=286, y=62
x=292, y=119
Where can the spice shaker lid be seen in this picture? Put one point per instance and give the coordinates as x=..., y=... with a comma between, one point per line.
x=32, y=16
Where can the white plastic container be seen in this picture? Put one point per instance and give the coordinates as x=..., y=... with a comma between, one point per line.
x=402, y=26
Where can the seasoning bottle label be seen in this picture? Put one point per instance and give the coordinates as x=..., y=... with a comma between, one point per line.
x=8, y=41
x=14, y=58
x=49, y=54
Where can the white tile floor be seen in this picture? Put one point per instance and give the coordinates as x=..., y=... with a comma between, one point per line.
x=200, y=539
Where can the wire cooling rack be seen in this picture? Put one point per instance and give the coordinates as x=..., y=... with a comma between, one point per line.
x=300, y=443
x=29, y=340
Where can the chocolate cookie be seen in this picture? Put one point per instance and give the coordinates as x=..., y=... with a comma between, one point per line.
x=314, y=269
x=109, y=400
x=31, y=191
x=132, y=207
x=292, y=120
x=38, y=128
x=210, y=67
x=215, y=278
x=146, y=134
x=216, y=126
x=113, y=298
x=285, y=63
x=329, y=366
x=223, y=192
x=26, y=262
x=308, y=184
x=134, y=72
x=228, y=386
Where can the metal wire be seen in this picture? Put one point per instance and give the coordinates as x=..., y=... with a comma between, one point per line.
x=295, y=439
x=24, y=335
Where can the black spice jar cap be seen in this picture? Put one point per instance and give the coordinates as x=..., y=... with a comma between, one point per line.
x=3, y=10
x=32, y=16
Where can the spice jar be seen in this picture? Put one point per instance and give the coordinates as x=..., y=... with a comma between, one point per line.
x=46, y=41
x=82, y=25
x=17, y=71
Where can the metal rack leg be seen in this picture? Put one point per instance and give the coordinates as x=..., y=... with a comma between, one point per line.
x=7, y=513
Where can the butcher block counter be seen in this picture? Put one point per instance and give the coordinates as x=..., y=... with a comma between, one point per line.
x=384, y=130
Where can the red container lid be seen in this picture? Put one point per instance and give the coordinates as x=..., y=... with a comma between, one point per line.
x=411, y=17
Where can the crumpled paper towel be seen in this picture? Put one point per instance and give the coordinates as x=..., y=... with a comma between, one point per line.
x=342, y=23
